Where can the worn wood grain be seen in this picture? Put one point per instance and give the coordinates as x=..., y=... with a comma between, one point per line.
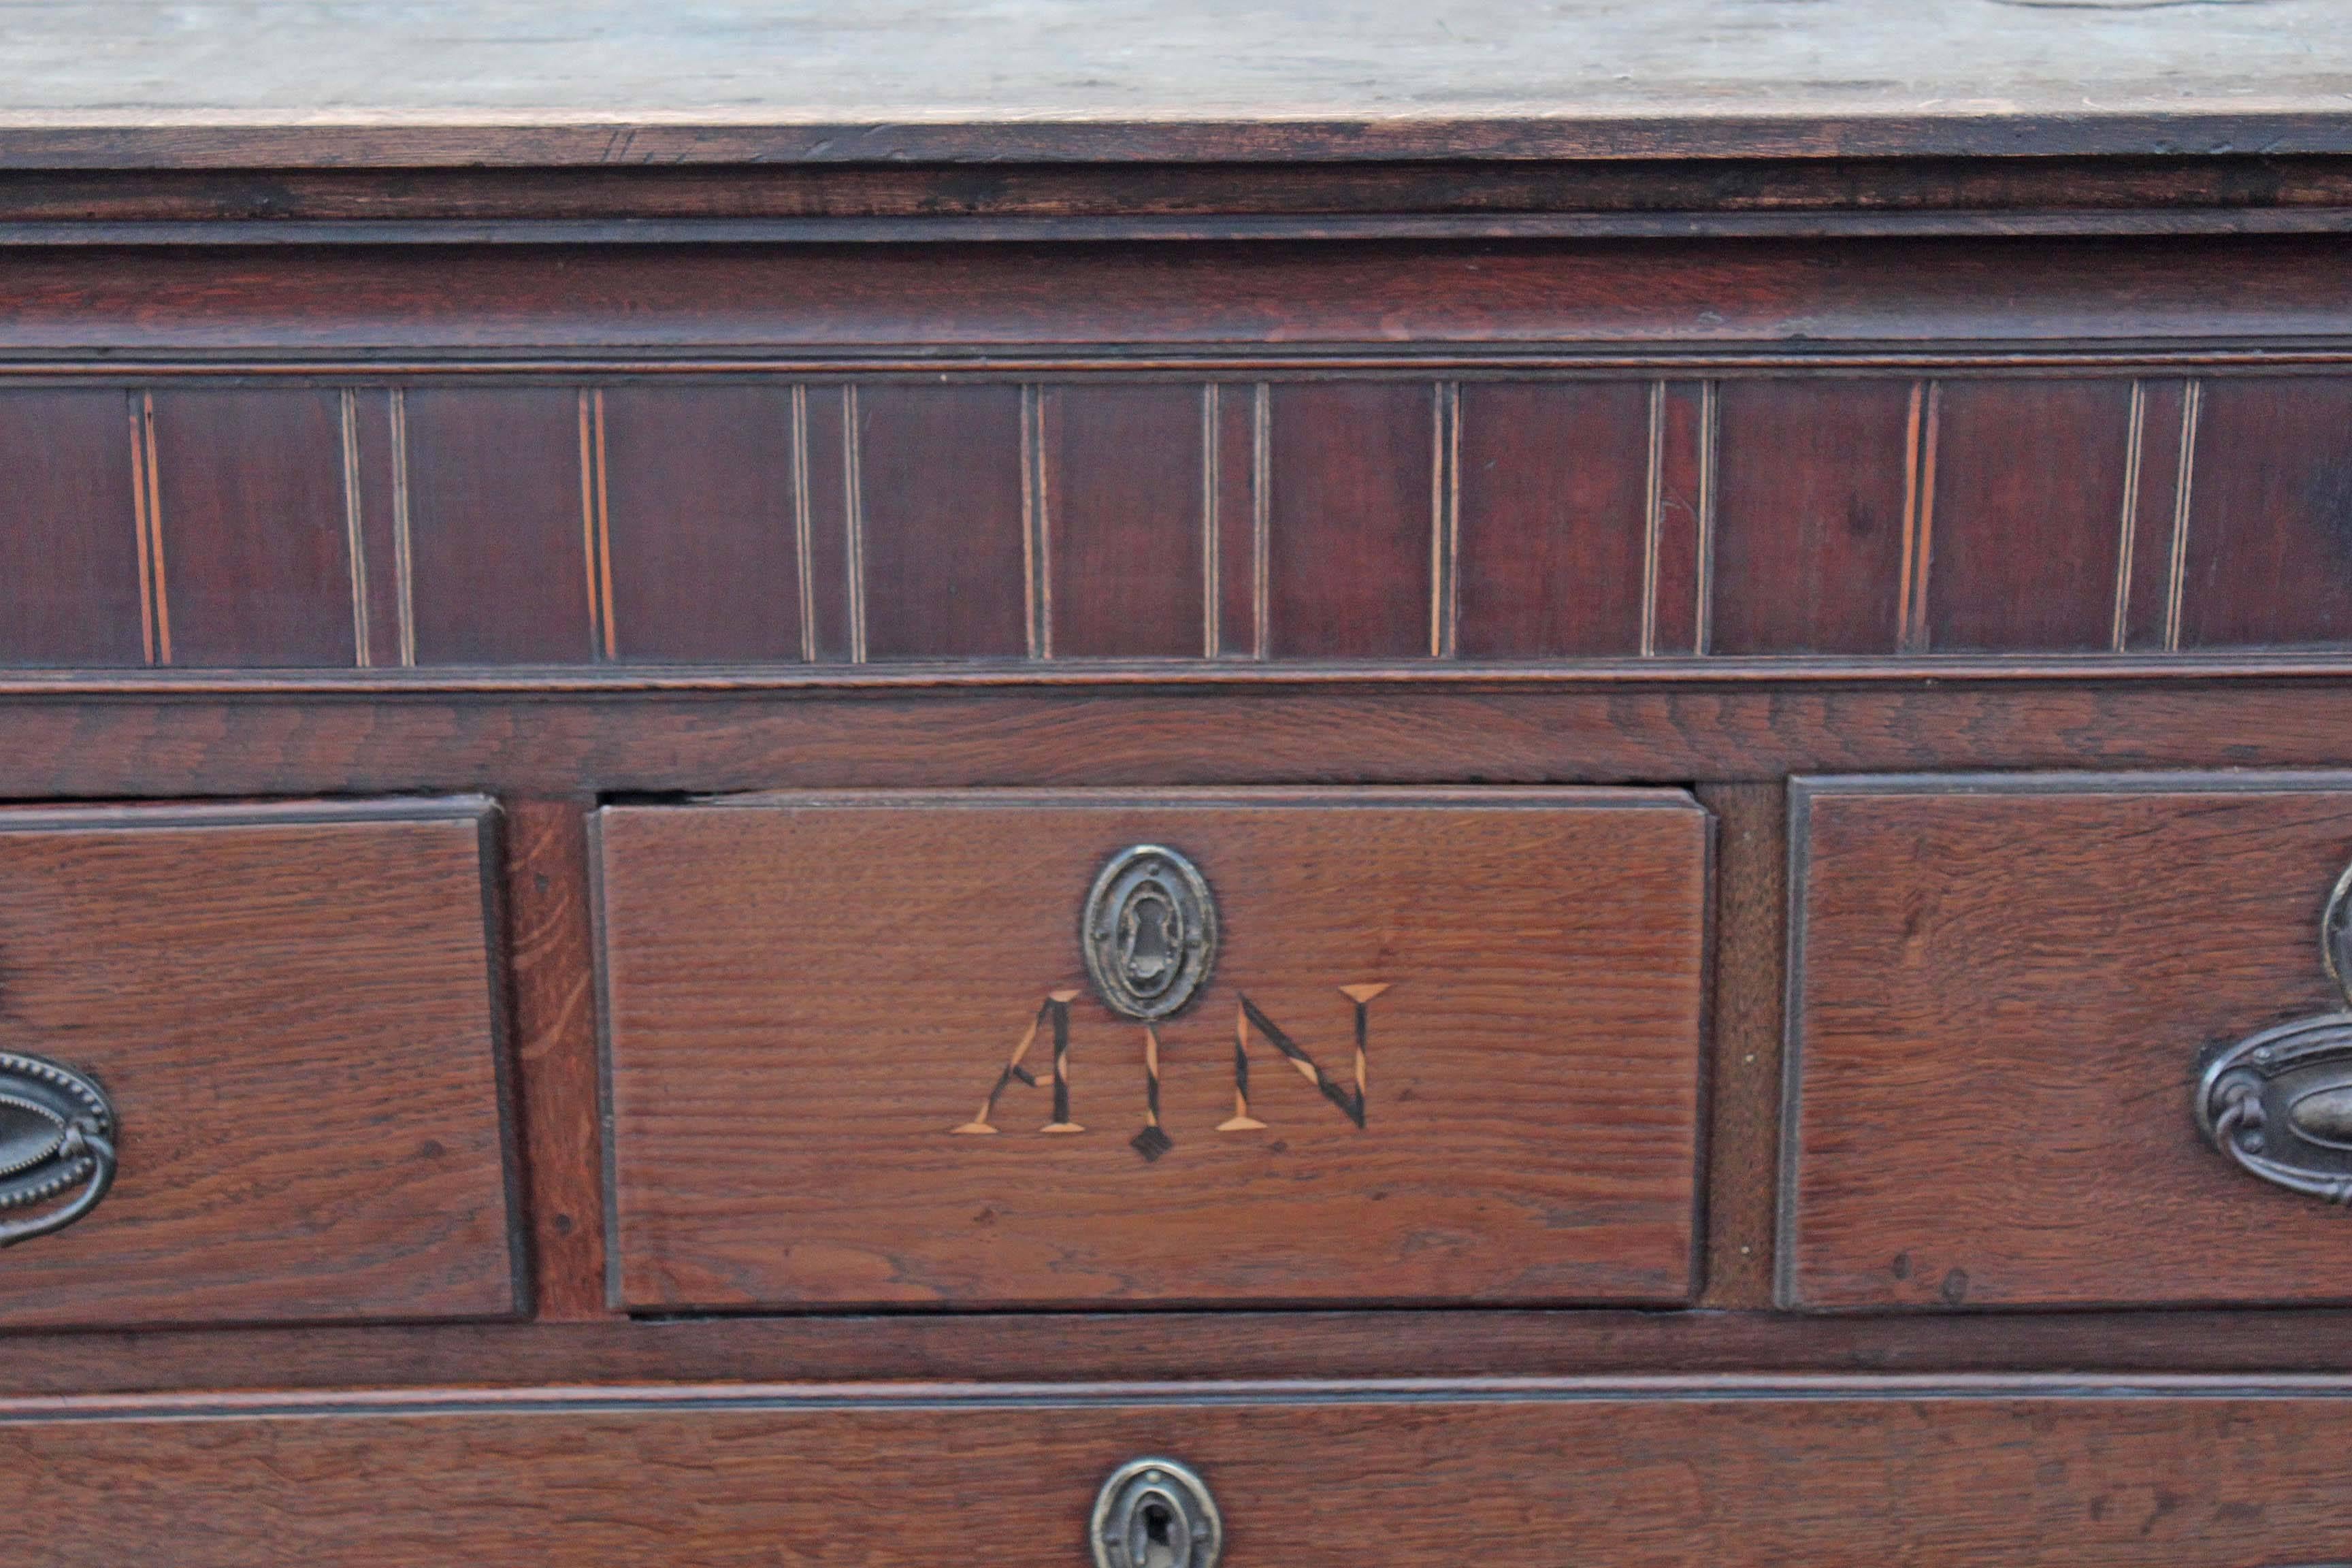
x=293, y=1013
x=1612, y=1474
x=930, y=307
x=1744, y=1039
x=786, y=1082
x=1229, y=1342
x=498, y=80
x=2003, y=989
x=550, y=967
x=544, y=736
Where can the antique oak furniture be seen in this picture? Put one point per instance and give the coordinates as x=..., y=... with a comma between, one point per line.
x=1061, y=784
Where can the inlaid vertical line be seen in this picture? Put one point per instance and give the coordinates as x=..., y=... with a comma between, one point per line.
x=1261, y=516
x=1036, y=526
x=354, y=528
x=1653, y=517
x=1918, y=516
x=853, y=495
x=133, y=405
x=155, y=585
x=2134, y=435
x=595, y=524
x=1211, y=479
x=803, y=535
x=1445, y=504
x=1709, y=407
x=404, y=554
x=2176, y=578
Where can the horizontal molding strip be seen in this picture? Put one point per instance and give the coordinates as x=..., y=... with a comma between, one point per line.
x=1695, y=673
x=2288, y=129
x=949, y=1396
x=1213, y=361
x=1804, y=223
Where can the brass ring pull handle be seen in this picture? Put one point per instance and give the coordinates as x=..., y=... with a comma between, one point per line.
x=56, y=1135
x=2279, y=1102
x=1156, y=1513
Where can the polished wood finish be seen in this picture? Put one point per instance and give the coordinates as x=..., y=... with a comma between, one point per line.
x=1387, y=515
x=1836, y=1472
x=788, y=1081
x=295, y=1011
x=2001, y=990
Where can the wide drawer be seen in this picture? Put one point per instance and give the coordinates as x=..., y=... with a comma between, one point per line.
x=289, y=1013
x=1833, y=1473
x=2005, y=993
x=1374, y=1045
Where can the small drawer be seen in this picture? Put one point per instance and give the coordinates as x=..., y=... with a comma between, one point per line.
x=281, y=1021
x=1829, y=1473
x=994, y=1049
x=2006, y=996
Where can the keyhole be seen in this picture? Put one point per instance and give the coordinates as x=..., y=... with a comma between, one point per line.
x=1155, y=1543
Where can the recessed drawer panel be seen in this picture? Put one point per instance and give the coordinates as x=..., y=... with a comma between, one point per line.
x=2011, y=996
x=1834, y=1473
x=989, y=1049
x=257, y=1041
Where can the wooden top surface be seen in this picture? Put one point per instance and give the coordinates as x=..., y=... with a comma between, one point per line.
x=146, y=83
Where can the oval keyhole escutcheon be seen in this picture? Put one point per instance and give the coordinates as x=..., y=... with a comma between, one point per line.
x=1156, y=1513
x=1148, y=931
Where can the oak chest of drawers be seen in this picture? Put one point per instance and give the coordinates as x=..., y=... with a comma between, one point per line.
x=1583, y=796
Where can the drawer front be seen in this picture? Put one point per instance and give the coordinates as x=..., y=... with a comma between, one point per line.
x=2002, y=992
x=1434, y=1048
x=289, y=1009
x=1605, y=1478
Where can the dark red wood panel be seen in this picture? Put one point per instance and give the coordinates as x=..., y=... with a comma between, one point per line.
x=1637, y=1473
x=293, y=1009
x=256, y=565
x=1685, y=516
x=822, y=435
x=2268, y=561
x=1352, y=517
x=2150, y=613
x=68, y=531
x=1810, y=516
x=2027, y=524
x=941, y=524
x=1243, y=408
x=793, y=1094
x=1553, y=525
x=499, y=543
x=377, y=496
x=700, y=513
x=1123, y=472
x=2004, y=986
